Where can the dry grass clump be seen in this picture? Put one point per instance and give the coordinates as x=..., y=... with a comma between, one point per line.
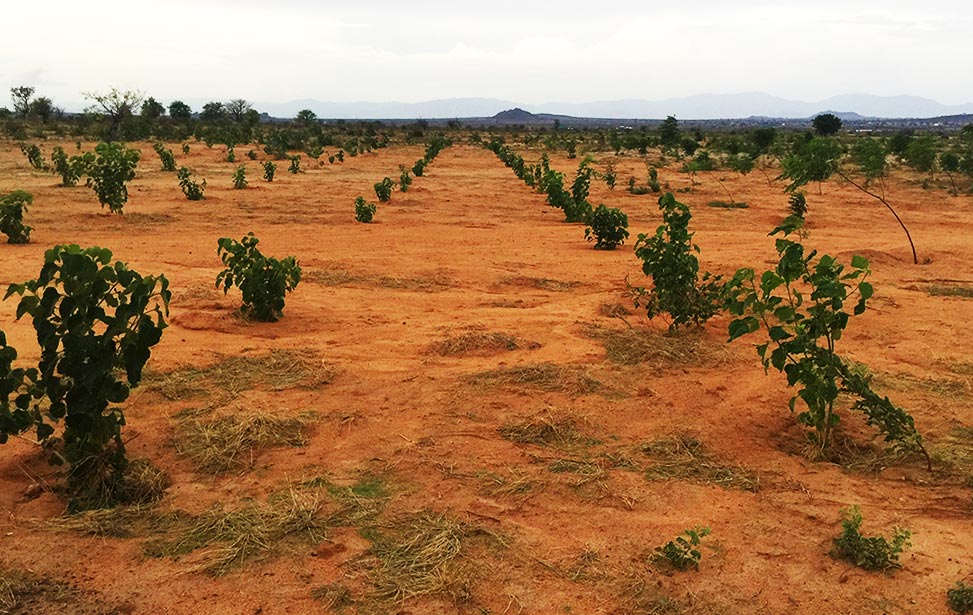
x=945, y=387
x=944, y=290
x=426, y=554
x=683, y=457
x=546, y=429
x=225, y=539
x=614, y=310
x=514, y=484
x=586, y=470
x=117, y=522
x=333, y=596
x=339, y=277
x=232, y=441
x=358, y=504
x=538, y=283
x=543, y=376
x=956, y=452
x=480, y=343
x=278, y=370
x=659, y=348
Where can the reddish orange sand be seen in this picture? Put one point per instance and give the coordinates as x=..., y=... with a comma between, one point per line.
x=467, y=239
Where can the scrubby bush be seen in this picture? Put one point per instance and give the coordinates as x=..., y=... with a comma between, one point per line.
x=270, y=169
x=669, y=258
x=295, y=167
x=96, y=322
x=112, y=169
x=960, y=598
x=71, y=169
x=240, y=178
x=191, y=188
x=251, y=154
x=868, y=552
x=608, y=228
x=364, y=211
x=13, y=206
x=166, y=157
x=419, y=167
x=263, y=281
x=383, y=189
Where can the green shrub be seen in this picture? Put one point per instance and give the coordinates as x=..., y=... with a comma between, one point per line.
x=868, y=552
x=419, y=167
x=166, y=157
x=610, y=176
x=112, y=168
x=383, y=189
x=654, y=180
x=191, y=188
x=185, y=148
x=797, y=204
x=295, y=167
x=314, y=151
x=96, y=322
x=71, y=169
x=405, y=178
x=960, y=598
x=682, y=553
x=669, y=258
x=240, y=178
x=34, y=156
x=364, y=211
x=251, y=154
x=801, y=303
x=607, y=227
x=263, y=281
x=13, y=206
x=270, y=169
x=230, y=155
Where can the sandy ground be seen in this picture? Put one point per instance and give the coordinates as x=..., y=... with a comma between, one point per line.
x=471, y=249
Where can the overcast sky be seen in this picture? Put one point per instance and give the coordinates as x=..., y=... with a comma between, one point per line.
x=528, y=52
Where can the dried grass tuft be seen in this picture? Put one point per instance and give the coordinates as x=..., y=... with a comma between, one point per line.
x=217, y=445
x=683, y=457
x=658, y=348
x=480, y=343
x=543, y=376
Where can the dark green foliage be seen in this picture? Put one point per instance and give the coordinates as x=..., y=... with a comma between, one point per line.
x=920, y=154
x=405, y=178
x=240, y=178
x=96, y=322
x=960, y=598
x=383, y=189
x=742, y=163
x=700, y=162
x=295, y=167
x=251, y=154
x=813, y=161
x=826, y=124
x=270, y=169
x=191, y=188
x=166, y=156
x=230, y=155
x=682, y=553
x=797, y=204
x=263, y=281
x=419, y=167
x=801, y=303
x=314, y=151
x=607, y=227
x=111, y=170
x=179, y=110
x=71, y=169
x=869, y=155
x=185, y=148
x=868, y=552
x=364, y=211
x=669, y=135
x=34, y=156
x=13, y=206
x=669, y=258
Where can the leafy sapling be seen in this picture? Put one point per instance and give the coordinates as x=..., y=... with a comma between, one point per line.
x=608, y=228
x=682, y=553
x=190, y=187
x=13, y=206
x=383, y=189
x=264, y=281
x=364, y=211
x=270, y=169
x=868, y=552
x=110, y=172
x=240, y=178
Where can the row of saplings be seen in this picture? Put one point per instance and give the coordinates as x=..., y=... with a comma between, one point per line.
x=606, y=226
x=365, y=211
x=97, y=320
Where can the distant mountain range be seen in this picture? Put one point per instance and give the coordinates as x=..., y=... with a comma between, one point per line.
x=701, y=107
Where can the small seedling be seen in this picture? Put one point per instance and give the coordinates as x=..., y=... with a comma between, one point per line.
x=405, y=178
x=295, y=167
x=868, y=552
x=683, y=552
x=364, y=211
x=111, y=170
x=165, y=155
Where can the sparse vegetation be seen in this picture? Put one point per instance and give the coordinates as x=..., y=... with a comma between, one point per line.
x=112, y=169
x=607, y=227
x=383, y=189
x=683, y=552
x=13, y=206
x=190, y=187
x=868, y=552
x=960, y=598
x=364, y=211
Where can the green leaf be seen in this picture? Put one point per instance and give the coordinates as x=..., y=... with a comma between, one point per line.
x=743, y=326
x=859, y=262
